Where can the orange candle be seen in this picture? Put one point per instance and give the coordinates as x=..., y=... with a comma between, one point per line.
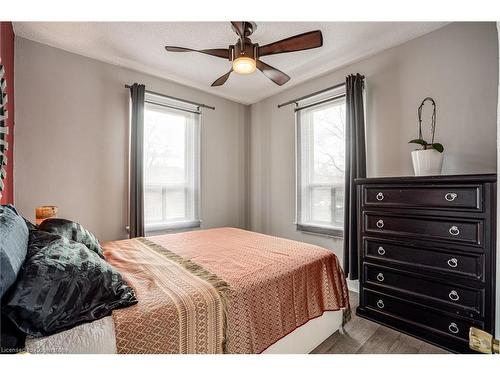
x=45, y=212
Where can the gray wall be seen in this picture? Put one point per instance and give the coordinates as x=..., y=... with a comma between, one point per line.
x=457, y=65
x=72, y=141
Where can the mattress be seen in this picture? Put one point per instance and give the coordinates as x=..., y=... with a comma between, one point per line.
x=97, y=337
x=222, y=290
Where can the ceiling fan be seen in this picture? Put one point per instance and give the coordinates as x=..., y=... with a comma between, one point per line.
x=245, y=55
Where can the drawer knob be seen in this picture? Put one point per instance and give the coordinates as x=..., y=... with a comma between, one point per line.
x=454, y=295
x=453, y=328
x=454, y=231
x=380, y=223
x=381, y=250
x=380, y=196
x=380, y=277
x=450, y=197
x=380, y=304
x=453, y=262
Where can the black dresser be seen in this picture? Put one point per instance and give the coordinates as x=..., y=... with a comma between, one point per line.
x=427, y=255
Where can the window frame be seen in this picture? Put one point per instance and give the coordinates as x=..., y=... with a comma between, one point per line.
x=192, y=168
x=318, y=229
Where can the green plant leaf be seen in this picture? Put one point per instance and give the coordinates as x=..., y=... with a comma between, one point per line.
x=438, y=147
x=419, y=142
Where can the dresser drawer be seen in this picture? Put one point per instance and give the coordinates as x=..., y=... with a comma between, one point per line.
x=419, y=315
x=470, y=265
x=452, y=296
x=433, y=228
x=424, y=196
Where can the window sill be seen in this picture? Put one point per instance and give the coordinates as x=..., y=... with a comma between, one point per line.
x=172, y=226
x=168, y=228
x=321, y=231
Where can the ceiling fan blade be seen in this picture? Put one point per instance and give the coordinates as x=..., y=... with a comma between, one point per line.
x=221, y=80
x=275, y=75
x=217, y=52
x=311, y=39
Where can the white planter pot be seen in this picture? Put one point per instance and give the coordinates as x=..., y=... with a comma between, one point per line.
x=427, y=162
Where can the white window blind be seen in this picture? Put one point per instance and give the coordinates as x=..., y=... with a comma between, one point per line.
x=171, y=164
x=320, y=131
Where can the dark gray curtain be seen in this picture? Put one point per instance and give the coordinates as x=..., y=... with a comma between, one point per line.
x=355, y=167
x=136, y=180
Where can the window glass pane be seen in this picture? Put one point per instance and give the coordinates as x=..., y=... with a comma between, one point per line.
x=164, y=147
x=339, y=207
x=321, y=164
x=153, y=207
x=171, y=166
x=176, y=207
x=321, y=205
x=329, y=144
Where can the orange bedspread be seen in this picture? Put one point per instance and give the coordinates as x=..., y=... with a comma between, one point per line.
x=271, y=287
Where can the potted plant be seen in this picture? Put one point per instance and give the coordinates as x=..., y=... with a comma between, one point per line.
x=429, y=159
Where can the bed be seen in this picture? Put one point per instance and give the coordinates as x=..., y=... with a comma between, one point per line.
x=222, y=290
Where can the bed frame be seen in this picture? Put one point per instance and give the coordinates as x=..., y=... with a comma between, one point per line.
x=308, y=336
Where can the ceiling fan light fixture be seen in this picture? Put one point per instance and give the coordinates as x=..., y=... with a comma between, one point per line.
x=244, y=65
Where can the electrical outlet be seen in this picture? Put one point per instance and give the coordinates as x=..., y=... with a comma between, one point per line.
x=482, y=341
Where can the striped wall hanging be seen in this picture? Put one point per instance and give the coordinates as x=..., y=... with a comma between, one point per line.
x=4, y=130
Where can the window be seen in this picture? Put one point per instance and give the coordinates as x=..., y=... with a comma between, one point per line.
x=171, y=164
x=320, y=163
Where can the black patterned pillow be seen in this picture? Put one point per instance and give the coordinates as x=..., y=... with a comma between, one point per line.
x=61, y=285
x=72, y=231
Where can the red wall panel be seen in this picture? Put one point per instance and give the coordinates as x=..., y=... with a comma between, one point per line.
x=7, y=59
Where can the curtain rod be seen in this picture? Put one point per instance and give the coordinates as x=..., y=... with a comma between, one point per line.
x=333, y=98
x=179, y=99
x=173, y=107
x=309, y=95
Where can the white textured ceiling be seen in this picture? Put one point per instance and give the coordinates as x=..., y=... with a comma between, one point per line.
x=140, y=46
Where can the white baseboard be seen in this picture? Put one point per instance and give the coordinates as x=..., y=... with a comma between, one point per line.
x=353, y=285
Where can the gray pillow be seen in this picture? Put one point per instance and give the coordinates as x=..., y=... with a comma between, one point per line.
x=72, y=231
x=13, y=246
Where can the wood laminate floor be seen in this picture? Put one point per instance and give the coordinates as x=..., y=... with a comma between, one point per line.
x=366, y=337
